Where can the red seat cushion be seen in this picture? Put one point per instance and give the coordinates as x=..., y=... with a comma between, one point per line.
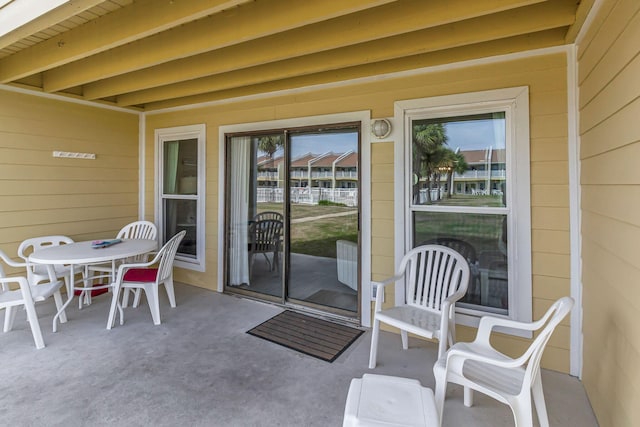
x=94, y=293
x=141, y=275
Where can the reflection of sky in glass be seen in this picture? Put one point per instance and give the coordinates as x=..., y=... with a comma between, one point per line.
x=321, y=143
x=476, y=134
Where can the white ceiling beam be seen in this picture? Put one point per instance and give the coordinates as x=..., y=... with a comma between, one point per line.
x=125, y=25
x=372, y=24
x=213, y=32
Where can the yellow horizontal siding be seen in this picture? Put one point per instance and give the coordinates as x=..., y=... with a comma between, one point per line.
x=609, y=65
x=616, y=131
x=550, y=195
x=550, y=218
x=551, y=241
x=549, y=149
x=606, y=39
x=43, y=195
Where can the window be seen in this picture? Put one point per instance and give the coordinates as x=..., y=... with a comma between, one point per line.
x=466, y=186
x=181, y=186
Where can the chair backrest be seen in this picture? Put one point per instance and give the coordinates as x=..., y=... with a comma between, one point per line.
x=139, y=230
x=464, y=248
x=546, y=325
x=268, y=215
x=433, y=273
x=265, y=235
x=167, y=254
x=34, y=244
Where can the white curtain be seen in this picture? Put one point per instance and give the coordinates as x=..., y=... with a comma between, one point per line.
x=240, y=152
x=171, y=153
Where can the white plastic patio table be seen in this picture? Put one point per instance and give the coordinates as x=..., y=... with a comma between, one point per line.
x=382, y=400
x=82, y=253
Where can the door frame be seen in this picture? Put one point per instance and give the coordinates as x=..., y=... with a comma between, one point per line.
x=364, y=117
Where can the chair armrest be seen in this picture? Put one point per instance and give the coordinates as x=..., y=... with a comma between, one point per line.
x=457, y=355
x=487, y=323
x=380, y=289
x=122, y=268
x=21, y=281
x=11, y=262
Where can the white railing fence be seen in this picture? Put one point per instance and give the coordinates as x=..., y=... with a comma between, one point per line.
x=310, y=196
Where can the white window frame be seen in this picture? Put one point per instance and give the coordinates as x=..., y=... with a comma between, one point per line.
x=172, y=134
x=515, y=103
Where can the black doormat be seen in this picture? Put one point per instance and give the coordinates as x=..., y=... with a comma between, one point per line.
x=309, y=335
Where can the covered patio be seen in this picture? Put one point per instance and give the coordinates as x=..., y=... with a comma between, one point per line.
x=95, y=96
x=201, y=368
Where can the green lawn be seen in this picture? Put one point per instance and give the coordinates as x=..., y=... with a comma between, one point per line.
x=318, y=236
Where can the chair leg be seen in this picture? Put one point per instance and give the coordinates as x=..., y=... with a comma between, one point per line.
x=522, y=412
x=112, y=310
x=136, y=297
x=154, y=304
x=538, y=400
x=441, y=388
x=125, y=297
x=57, y=298
x=373, y=354
x=168, y=285
x=35, y=326
x=468, y=397
x=405, y=339
x=9, y=318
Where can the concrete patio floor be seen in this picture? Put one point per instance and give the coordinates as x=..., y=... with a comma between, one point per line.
x=200, y=368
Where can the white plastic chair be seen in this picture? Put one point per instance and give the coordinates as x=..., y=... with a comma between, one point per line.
x=37, y=273
x=145, y=276
x=435, y=277
x=26, y=295
x=134, y=230
x=478, y=366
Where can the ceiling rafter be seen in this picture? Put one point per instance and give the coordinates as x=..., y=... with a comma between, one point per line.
x=213, y=32
x=114, y=29
x=472, y=31
x=514, y=44
x=65, y=11
x=146, y=55
x=399, y=18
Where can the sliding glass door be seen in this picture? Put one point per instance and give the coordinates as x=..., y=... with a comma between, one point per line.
x=292, y=212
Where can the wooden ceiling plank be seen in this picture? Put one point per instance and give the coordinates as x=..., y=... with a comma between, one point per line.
x=581, y=16
x=227, y=28
x=539, y=40
x=398, y=18
x=45, y=21
x=430, y=40
x=140, y=19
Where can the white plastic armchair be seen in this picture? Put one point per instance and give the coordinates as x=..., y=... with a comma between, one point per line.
x=37, y=273
x=435, y=277
x=134, y=230
x=478, y=366
x=26, y=295
x=149, y=278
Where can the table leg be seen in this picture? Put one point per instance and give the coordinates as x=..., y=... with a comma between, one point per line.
x=70, y=290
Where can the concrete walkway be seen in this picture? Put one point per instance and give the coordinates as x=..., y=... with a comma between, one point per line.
x=313, y=218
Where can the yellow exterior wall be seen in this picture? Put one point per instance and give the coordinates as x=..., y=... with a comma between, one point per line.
x=546, y=78
x=609, y=105
x=41, y=195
